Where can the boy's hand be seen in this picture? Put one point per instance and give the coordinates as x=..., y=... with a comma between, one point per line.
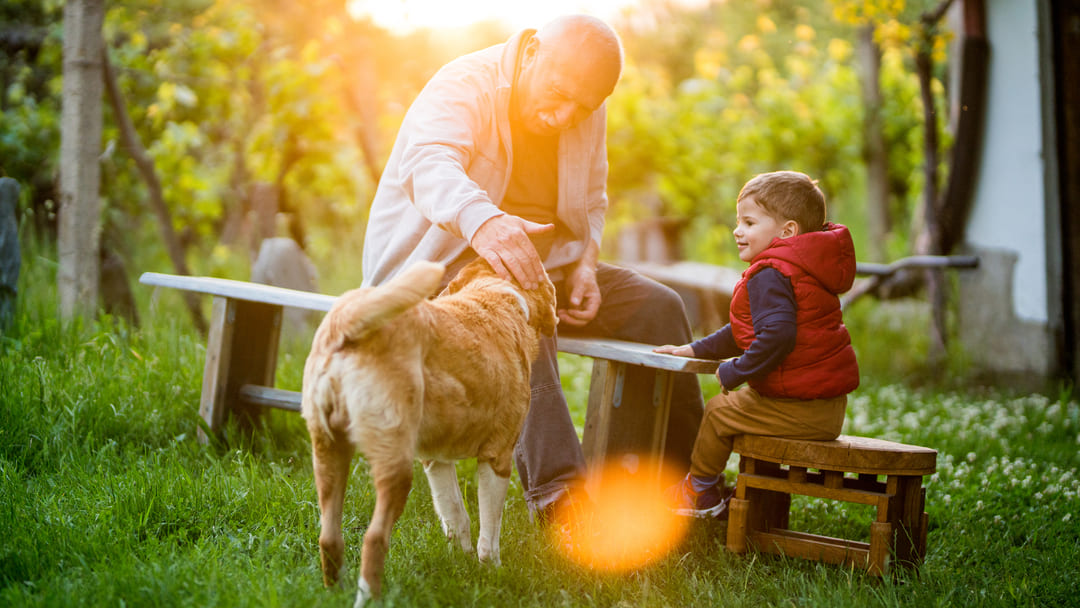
x=679, y=351
x=723, y=389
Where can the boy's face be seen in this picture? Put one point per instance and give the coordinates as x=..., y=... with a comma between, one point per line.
x=755, y=229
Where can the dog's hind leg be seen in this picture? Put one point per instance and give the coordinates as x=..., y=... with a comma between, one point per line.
x=449, y=506
x=393, y=479
x=331, y=457
x=492, y=496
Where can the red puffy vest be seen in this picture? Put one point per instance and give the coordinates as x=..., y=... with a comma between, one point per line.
x=820, y=265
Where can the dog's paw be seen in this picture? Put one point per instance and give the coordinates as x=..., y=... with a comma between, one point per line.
x=488, y=555
x=462, y=541
x=363, y=594
x=458, y=537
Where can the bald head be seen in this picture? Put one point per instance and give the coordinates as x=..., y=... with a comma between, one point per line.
x=569, y=67
x=587, y=42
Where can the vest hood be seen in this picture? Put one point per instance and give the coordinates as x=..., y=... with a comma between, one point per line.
x=828, y=255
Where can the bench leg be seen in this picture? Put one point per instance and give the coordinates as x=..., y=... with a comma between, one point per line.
x=605, y=389
x=216, y=370
x=241, y=349
x=662, y=414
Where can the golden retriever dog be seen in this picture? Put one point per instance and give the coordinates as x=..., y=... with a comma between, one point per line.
x=399, y=377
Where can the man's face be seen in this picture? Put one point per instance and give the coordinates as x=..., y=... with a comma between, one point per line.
x=556, y=90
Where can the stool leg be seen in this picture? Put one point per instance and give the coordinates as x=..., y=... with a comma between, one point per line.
x=922, y=537
x=737, y=520
x=908, y=520
x=881, y=535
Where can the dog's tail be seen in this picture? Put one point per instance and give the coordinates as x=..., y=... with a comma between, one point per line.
x=360, y=312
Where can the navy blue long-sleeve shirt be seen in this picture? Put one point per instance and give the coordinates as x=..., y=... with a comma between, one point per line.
x=772, y=310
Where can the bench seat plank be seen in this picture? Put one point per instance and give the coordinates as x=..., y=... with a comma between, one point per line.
x=634, y=354
x=241, y=290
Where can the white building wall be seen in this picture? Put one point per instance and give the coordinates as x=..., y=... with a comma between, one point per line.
x=1009, y=206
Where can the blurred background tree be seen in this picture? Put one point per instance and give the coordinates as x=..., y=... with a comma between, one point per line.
x=300, y=102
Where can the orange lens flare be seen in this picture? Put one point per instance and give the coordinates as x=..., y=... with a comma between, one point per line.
x=628, y=524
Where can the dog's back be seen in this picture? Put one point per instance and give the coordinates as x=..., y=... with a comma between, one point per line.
x=358, y=316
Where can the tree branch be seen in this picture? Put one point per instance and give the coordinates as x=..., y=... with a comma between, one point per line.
x=145, y=166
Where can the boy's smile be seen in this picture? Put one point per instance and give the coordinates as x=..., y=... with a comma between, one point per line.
x=755, y=229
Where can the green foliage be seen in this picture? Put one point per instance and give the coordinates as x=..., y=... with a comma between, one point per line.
x=755, y=91
x=225, y=94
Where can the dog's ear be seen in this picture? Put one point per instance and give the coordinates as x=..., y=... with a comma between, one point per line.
x=464, y=276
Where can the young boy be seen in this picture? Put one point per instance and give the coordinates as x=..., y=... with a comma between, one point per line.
x=786, y=333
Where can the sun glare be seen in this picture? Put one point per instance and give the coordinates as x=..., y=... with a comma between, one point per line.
x=628, y=525
x=401, y=16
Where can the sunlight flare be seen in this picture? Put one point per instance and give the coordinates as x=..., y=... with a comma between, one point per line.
x=627, y=526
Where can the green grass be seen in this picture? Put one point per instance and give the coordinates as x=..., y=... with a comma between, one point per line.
x=106, y=498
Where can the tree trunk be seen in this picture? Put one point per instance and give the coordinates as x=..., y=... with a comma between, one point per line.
x=80, y=145
x=153, y=186
x=929, y=242
x=875, y=152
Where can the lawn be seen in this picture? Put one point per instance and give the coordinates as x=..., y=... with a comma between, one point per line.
x=106, y=497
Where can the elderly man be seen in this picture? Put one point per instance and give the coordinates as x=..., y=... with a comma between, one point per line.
x=503, y=155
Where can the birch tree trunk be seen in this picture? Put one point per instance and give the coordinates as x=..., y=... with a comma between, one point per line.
x=80, y=145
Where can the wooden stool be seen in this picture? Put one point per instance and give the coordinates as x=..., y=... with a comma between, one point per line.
x=771, y=469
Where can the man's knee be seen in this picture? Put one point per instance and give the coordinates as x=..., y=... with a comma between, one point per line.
x=666, y=301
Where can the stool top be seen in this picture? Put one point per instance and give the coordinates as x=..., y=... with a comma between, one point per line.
x=846, y=453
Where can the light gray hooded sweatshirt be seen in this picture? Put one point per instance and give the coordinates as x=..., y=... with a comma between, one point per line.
x=450, y=168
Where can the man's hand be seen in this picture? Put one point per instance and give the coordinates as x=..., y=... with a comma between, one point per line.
x=584, y=296
x=504, y=242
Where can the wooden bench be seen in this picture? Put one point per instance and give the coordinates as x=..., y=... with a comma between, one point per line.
x=242, y=347
x=848, y=469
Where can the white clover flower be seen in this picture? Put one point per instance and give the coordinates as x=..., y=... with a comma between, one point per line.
x=971, y=457
x=1067, y=518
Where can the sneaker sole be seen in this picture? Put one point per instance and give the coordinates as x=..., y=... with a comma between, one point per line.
x=713, y=511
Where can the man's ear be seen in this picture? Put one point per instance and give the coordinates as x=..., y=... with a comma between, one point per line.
x=532, y=48
x=790, y=229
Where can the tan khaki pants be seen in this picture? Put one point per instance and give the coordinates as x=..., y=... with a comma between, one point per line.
x=746, y=412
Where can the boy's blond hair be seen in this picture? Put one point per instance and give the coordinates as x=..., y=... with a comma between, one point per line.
x=788, y=195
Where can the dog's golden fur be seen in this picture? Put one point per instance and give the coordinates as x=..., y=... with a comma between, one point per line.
x=400, y=377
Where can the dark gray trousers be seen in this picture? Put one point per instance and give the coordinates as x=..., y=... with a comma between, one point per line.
x=548, y=455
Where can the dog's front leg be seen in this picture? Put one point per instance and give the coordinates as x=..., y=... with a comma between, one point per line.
x=492, y=496
x=445, y=493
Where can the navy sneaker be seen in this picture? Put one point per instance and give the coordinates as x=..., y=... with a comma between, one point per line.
x=684, y=501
